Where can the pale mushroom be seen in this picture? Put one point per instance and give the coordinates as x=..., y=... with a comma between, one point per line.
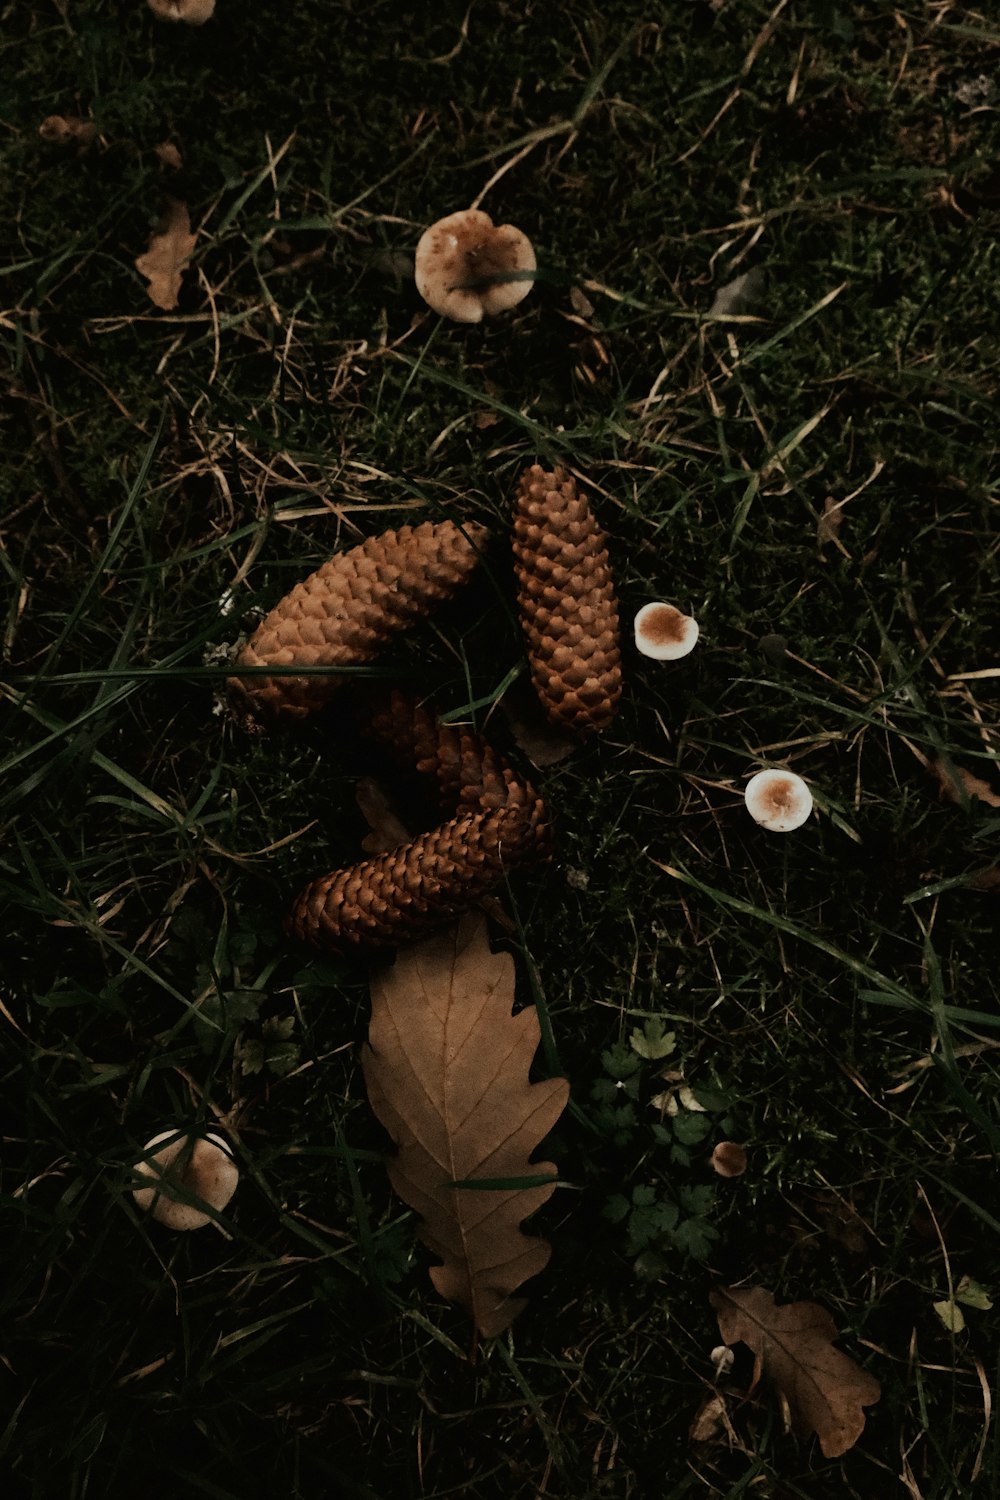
x=664, y=632
x=465, y=267
x=200, y=1166
x=778, y=800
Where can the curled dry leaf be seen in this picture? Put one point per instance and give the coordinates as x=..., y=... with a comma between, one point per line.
x=68, y=130
x=829, y=524
x=711, y=1423
x=540, y=741
x=740, y=296
x=388, y=830
x=825, y=1390
x=194, y=12
x=957, y=784
x=169, y=156
x=447, y=1074
x=729, y=1159
x=169, y=250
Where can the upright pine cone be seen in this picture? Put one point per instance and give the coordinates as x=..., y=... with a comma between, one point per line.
x=343, y=614
x=400, y=895
x=566, y=597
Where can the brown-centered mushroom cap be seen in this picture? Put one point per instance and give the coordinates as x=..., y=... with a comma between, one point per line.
x=459, y=260
x=664, y=632
x=202, y=1166
x=778, y=800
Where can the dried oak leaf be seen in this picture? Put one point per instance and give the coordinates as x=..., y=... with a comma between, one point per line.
x=447, y=1074
x=169, y=249
x=825, y=1390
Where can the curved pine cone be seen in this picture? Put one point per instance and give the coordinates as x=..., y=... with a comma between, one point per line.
x=566, y=598
x=343, y=614
x=395, y=897
x=400, y=895
x=470, y=774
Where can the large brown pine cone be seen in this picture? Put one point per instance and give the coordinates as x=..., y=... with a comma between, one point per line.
x=471, y=775
x=397, y=896
x=566, y=598
x=343, y=614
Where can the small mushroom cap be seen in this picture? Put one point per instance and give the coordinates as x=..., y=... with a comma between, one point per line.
x=663, y=632
x=202, y=1166
x=778, y=800
x=458, y=260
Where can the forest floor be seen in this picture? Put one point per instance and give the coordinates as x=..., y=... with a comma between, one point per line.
x=763, y=333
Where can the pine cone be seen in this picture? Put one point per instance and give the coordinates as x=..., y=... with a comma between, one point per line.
x=342, y=614
x=394, y=897
x=471, y=775
x=566, y=596
x=498, y=822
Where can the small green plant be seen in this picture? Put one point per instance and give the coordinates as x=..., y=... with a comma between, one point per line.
x=616, y=1093
x=659, y=1215
x=272, y=1050
x=654, y=1220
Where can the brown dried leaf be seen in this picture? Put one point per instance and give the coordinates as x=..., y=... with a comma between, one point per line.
x=710, y=1423
x=957, y=784
x=68, y=130
x=194, y=12
x=388, y=831
x=447, y=1074
x=829, y=524
x=581, y=304
x=825, y=1390
x=169, y=156
x=169, y=249
x=540, y=741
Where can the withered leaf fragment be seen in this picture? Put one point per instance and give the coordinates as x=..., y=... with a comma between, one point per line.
x=447, y=1074
x=168, y=156
x=957, y=784
x=68, y=130
x=825, y=1390
x=169, y=250
x=194, y=12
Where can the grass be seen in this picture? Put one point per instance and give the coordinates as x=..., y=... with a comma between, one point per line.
x=832, y=996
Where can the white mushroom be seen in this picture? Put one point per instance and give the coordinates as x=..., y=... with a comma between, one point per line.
x=778, y=800
x=201, y=1166
x=463, y=263
x=664, y=632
